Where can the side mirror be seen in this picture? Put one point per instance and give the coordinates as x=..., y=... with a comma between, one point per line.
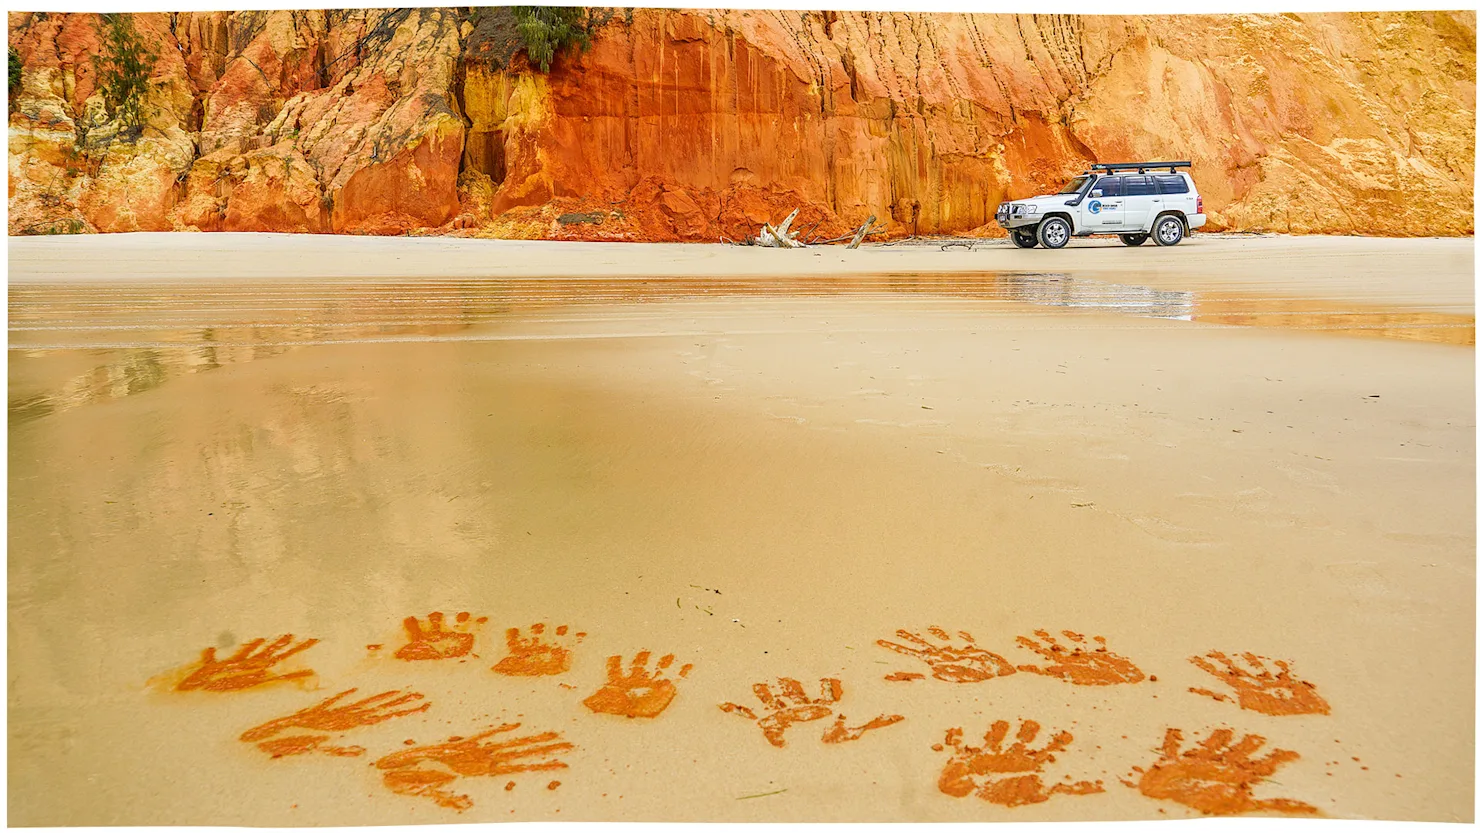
x=1097, y=193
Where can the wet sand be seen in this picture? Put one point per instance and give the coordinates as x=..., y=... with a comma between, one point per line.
x=763, y=476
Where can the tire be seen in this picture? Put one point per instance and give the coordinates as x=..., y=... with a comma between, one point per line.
x=1133, y=239
x=1168, y=230
x=1024, y=239
x=1053, y=233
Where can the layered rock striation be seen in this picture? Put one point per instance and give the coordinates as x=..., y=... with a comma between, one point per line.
x=700, y=125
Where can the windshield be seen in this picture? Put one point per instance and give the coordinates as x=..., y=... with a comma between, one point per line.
x=1075, y=185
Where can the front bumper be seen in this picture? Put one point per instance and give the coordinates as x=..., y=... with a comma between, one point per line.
x=1011, y=220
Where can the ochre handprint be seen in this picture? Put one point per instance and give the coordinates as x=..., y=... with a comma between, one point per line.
x=1216, y=777
x=964, y=664
x=1012, y=776
x=327, y=717
x=532, y=656
x=638, y=692
x=794, y=706
x=1260, y=690
x=840, y=733
x=1078, y=662
x=434, y=641
x=247, y=667
x=415, y=771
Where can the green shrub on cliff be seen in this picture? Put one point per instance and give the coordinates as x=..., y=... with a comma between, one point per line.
x=123, y=66
x=15, y=74
x=546, y=30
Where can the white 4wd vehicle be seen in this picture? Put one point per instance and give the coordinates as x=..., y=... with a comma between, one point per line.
x=1120, y=198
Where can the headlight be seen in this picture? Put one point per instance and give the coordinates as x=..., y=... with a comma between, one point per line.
x=1030, y=209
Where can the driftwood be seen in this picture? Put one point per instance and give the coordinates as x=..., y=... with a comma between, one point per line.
x=862, y=231
x=781, y=237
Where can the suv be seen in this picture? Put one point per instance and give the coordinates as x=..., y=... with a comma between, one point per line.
x=1117, y=198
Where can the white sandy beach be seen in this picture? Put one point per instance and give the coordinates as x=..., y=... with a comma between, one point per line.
x=763, y=463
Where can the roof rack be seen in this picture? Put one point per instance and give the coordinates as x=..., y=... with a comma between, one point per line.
x=1139, y=167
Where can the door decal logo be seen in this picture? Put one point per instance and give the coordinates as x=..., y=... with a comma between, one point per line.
x=1094, y=206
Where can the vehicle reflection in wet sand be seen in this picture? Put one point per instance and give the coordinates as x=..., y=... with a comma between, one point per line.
x=172, y=333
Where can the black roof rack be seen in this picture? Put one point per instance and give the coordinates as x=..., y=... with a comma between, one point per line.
x=1140, y=167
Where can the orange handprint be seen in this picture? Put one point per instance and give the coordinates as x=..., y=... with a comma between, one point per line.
x=1218, y=776
x=247, y=667
x=964, y=664
x=532, y=656
x=794, y=706
x=637, y=693
x=468, y=758
x=1010, y=777
x=1260, y=690
x=1079, y=663
x=326, y=717
x=436, y=642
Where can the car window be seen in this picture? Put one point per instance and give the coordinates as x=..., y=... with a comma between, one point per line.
x=1138, y=186
x=1109, y=186
x=1075, y=185
x=1172, y=184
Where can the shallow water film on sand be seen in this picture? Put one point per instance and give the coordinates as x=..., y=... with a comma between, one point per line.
x=995, y=546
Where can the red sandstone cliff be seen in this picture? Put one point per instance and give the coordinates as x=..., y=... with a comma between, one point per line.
x=697, y=125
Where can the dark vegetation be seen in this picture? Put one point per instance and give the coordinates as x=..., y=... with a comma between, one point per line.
x=15, y=74
x=545, y=30
x=541, y=32
x=123, y=66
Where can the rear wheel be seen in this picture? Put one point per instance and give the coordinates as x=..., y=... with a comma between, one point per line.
x=1053, y=233
x=1168, y=231
x=1133, y=239
x=1024, y=238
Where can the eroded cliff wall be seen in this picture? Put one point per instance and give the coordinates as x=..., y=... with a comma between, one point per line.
x=699, y=125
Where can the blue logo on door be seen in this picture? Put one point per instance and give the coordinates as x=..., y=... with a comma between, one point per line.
x=1094, y=206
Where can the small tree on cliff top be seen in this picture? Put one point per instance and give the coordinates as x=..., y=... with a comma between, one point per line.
x=546, y=30
x=123, y=66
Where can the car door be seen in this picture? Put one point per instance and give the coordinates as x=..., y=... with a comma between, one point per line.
x=1175, y=194
x=1104, y=209
x=1139, y=203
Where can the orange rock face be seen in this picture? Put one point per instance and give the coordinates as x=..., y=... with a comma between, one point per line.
x=701, y=125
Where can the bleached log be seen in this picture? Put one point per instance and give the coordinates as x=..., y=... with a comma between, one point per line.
x=862, y=231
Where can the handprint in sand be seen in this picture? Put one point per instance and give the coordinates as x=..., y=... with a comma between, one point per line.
x=636, y=692
x=533, y=655
x=329, y=717
x=435, y=640
x=965, y=663
x=1258, y=689
x=1079, y=662
x=1217, y=776
x=428, y=771
x=246, y=668
x=794, y=706
x=1010, y=776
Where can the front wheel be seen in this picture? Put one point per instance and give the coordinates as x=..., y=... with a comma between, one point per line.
x=1053, y=233
x=1024, y=239
x=1133, y=239
x=1168, y=231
